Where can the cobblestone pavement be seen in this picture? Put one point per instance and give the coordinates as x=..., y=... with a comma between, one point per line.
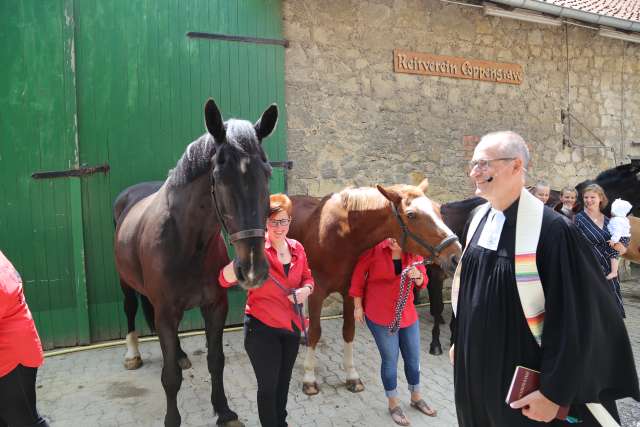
x=91, y=388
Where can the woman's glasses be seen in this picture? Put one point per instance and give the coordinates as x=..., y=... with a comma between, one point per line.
x=279, y=222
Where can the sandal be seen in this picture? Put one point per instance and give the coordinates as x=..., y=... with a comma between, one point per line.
x=422, y=406
x=398, y=416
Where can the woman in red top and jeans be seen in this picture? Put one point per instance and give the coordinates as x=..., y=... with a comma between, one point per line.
x=20, y=353
x=272, y=325
x=375, y=287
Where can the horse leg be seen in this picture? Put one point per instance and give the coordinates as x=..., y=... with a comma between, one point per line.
x=354, y=383
x=132, y=359
x=214, y=317
x=436, y=308
x=309, y=383
x=167, y=322
x=183, y=359
x=436, y=303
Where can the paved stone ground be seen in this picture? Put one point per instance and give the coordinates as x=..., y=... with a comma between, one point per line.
x=91, y=388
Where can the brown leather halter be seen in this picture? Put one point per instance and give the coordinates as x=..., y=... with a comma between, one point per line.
x=435, y=251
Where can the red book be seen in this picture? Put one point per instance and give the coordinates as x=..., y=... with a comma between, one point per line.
x=526, y=381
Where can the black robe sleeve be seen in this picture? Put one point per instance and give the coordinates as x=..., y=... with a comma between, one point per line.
x=586, y=353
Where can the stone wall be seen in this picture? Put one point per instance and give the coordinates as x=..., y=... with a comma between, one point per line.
x=353, y=121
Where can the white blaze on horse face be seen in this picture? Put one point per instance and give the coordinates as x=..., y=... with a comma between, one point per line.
x=424, y=205
x=244, y=164
x=251, y=275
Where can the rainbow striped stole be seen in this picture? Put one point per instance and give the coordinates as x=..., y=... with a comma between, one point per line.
x=526, y=278
x=528, y=227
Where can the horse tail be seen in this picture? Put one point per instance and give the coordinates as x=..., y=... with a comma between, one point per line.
x=149, y=315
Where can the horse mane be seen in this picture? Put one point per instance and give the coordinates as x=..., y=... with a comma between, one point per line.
x=196, y=159
x=362, y=199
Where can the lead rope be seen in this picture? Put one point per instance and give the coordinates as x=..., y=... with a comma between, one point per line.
x=401, y=302
x=297, y=308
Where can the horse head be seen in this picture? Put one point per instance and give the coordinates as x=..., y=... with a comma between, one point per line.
x=239, y=178
x=421, y=229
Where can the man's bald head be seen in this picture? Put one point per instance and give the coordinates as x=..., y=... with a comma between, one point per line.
x=508, y=144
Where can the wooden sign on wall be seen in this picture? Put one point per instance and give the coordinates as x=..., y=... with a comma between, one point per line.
x=408, y=62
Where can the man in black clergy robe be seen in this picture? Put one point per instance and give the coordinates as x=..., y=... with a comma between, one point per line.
x=585, y=354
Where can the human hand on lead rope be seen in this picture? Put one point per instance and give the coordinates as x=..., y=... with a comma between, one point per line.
x=301, y=294
x=415, y=274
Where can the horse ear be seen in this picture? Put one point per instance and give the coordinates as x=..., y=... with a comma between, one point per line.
x=213, y=121
x=392, y=195
x=267, y=123
x=424, y=185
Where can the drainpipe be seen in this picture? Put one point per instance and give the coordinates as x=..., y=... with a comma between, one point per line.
x=569, y=13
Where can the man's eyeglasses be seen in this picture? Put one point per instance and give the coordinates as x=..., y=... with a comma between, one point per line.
x=483, y=164
x=279, y=222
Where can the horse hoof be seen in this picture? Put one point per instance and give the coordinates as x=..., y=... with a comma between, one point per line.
x=133, y=363
x=436, y=349
x=355, y=386
x=184, y=363
x=310, y=389
x=229, y=419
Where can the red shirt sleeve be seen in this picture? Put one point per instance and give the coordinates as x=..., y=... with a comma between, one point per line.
x=359, y=276
x=223, y=282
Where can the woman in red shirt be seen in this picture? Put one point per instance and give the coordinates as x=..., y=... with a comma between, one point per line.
x=272, y=325
x=375, y=287
x=20, y=353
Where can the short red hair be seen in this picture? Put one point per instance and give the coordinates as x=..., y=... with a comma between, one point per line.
x=279, y=202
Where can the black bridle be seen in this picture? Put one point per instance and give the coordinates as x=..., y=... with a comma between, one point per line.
x=435, y=251
x=240, y=235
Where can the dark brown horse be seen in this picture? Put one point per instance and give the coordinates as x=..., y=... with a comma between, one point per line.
x=336, y=229
x=168, y=245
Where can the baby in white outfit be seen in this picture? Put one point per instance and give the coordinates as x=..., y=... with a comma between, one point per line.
x=618, y=227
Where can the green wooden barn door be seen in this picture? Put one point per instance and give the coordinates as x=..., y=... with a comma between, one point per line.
x=40, y=221
x=142, y=84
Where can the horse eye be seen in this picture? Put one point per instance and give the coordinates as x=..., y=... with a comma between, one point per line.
x=411, y=215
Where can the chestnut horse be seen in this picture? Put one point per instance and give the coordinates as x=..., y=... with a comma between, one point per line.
x=336, y=229
x=168, y=245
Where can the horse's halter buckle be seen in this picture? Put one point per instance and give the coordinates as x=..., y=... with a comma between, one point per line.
x=435, y=251
x=240, y=235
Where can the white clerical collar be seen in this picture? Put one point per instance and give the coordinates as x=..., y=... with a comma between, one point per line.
x=492, y=230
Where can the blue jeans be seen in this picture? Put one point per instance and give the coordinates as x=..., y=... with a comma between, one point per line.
x=407, y=341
